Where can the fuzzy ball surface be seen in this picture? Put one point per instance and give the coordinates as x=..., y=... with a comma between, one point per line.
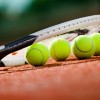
x=83, y=47
x=96, y=38
x=60, y=49
x=37, y=54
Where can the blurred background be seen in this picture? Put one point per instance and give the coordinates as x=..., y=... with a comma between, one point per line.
x=22, y=17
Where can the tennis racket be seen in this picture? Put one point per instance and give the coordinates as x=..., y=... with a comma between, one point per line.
x=66, y=30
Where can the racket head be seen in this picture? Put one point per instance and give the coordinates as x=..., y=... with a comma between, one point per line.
x=73, y=29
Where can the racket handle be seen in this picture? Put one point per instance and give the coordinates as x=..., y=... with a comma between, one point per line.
x=16, y=45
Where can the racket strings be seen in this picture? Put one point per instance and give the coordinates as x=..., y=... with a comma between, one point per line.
x=69, y=36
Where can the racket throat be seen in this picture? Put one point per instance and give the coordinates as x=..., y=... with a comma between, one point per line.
x=17, y=45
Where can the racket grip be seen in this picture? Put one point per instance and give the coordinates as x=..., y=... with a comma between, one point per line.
x=16, y=45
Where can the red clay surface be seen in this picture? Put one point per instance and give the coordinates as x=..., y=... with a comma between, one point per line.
x=66, y=80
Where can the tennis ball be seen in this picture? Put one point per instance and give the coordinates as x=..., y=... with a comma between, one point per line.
x=83, y=47
x=60, y=49
x=96, y=38
x=37, y=54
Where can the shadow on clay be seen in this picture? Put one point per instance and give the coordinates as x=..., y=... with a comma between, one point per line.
x=73, y=61
x=70, y=61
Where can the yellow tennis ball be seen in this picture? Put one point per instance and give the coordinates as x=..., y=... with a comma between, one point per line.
x=60, y=49
x=37, y=54
x=83, y=47
x=96, y=38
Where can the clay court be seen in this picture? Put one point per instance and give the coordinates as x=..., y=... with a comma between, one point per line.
x=66, y=80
